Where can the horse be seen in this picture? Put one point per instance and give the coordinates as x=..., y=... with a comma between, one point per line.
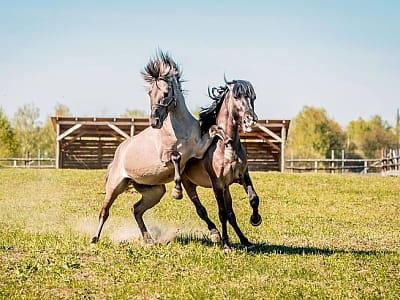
x=232, y=109
x=154, y=157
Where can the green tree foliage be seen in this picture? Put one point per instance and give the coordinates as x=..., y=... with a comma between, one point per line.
x=27, y=129
x=134, y=113
x=8, y=140
x=314, y=134
x=368, y=138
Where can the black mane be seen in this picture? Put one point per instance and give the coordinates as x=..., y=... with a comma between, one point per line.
x=161, y=66
x=208, y=115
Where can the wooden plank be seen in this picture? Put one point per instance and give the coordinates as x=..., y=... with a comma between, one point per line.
x=268, y=131
x=68, y=132
x=271, y=144
x=103, y=123
x=283, y=142
x=58, y=147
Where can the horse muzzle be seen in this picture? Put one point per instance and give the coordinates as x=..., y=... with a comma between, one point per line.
x=249, y=122
x=155, y=123
x=157, y=118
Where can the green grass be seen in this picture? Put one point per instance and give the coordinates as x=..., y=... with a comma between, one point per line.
x=325, y=236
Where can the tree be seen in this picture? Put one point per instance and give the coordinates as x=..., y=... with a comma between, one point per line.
x=314, y=134
x=26, y=125
x=134, y=113
x=368, y=138
x=8, y=140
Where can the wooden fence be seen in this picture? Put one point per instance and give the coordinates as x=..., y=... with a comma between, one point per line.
x=28, y=162
x=389, y=164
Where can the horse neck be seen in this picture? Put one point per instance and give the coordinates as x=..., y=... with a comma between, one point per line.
x=179, y=117
x=226, y=120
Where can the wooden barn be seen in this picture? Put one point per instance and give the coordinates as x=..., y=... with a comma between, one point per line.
x=90, y=143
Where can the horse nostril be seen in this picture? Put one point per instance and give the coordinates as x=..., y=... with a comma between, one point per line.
x=155, y=122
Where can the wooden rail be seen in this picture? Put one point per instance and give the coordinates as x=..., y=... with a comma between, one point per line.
x=388, y=164
x=28, y=162
x=334, y=165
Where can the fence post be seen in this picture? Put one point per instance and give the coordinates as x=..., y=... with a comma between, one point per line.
x=316, y=166
x=383, y=162
x=38, y=162
x=342, y=161
x=291, y=161
x=333, y=162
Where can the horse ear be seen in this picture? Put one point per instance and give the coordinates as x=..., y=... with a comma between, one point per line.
x=225, y=79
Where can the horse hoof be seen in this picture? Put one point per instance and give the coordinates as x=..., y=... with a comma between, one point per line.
x=147, y=239
x=250, y=247
x=177, y=194
x=227, y=249
x=94, y=240
x=148, y=242
x=255, y=220
x=215, y=236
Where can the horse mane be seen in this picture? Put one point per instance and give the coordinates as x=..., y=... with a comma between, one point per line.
x=208, y=115
x=160, y=66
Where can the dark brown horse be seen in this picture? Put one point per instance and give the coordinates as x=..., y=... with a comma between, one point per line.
x=232, y=110
x=153, y=157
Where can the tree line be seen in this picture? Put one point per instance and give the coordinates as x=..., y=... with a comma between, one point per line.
x=312, y=134
x=24, y=135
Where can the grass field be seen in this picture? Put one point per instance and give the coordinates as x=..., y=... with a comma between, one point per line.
x=325, y=236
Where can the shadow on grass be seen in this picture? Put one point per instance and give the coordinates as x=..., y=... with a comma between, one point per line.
x=263, y=248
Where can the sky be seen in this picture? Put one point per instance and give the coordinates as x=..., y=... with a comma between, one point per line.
x=342, y=56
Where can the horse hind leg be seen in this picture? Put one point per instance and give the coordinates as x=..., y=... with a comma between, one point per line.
x=151, y=195
x=190, y=189
x=177, y=190
x=112, y=192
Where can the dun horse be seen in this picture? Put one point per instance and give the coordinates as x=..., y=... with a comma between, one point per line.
x=147, y=159
x=232, y=110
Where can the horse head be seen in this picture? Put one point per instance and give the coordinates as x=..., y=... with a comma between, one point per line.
x=163, y=75
x=239, y=97
x=242, y=105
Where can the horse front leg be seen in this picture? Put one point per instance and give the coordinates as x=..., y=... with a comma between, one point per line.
x=223, y=216
x=207, y=139
x=255, y=218
x=177, y=190
x=232, y=218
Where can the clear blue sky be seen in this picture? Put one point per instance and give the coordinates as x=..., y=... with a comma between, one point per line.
x=343, y=56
